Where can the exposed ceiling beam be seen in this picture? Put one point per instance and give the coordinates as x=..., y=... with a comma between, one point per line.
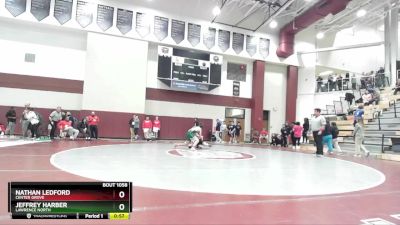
x=246, y=17
x=271, y=17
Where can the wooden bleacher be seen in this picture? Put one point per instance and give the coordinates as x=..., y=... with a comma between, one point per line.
x=345, y=127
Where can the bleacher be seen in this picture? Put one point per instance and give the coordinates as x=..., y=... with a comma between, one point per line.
x=380, y=122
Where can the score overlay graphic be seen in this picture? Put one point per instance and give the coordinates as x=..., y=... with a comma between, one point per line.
x=70, y=200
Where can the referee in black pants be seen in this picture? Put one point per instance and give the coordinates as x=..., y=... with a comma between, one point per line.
x=318, y=123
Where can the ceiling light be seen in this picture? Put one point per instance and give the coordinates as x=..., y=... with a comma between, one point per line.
x=273, y=24
x=361, y=13
x=216, y=11
x=381, y=28
x=320, y=35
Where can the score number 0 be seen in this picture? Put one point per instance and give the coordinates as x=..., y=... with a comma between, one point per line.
x=121, y=195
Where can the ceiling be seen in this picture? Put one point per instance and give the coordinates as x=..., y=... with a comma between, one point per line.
x=376, y=11
x=255, y=15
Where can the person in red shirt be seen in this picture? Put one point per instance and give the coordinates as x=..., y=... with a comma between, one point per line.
x=93, y=121
x=263, y=135
x=147, y=126
x=2, y=129
x=65, y=127
x=156, y=127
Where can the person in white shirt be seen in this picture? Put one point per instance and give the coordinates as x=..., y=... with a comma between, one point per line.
x=318, y=123
x=33, y=119
x=223, y=131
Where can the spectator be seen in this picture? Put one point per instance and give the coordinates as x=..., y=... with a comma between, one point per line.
x=11, y=116
x=237, y=135
x=156, y=127
x=65, y=127
x=319, y=83
x=297, y=133
x=33, y=119
x=255, y=135
x=132, y=127
x=317, y=127
x=54, y=118
x=263, y=135
x=284, y=134
x=306, y=128
x=358, y=135
x=2, y=129
x=339, y=81
x=291, y=134
x=84, y=128
x=349, y=98
x=231, y=132
x=218, y=131
x=24, y=121
x=359, y=113
x=74, y=121
x=335, y=133
x=327, y=137
x=223, y=131
x=276, y=140
x=147, y=125
x=367, y=98
x=330, y=82
x=353, y=82
x=93, y=121
x=136, y=127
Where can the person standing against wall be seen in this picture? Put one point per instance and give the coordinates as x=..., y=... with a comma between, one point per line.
x=223, y=131
x=11, y=116
x=284, y=134
x=306, y=128
x=156, y=127
x=147, y=125
x=54, y=118
x=24, y=121
x=231, y=131
x=93, y=121
x=318, y=123
x=218, y=131
x=34, y=122
x=136, y=127
x=237, y=135
x=132, y=127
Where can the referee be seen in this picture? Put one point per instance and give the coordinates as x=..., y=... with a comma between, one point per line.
x=318, y=123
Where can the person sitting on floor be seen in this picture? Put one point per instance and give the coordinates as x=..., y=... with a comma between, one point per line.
x=263, y=135
x=65, y=127
x=2, y=129
x=255, y=136
x=277, y=140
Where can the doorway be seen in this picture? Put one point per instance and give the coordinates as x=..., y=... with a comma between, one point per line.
x=235, y=115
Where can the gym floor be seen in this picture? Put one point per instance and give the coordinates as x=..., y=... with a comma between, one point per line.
x=237, y=184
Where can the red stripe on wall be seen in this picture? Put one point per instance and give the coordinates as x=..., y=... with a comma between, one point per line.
x=196, y=98
x=40, y=83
